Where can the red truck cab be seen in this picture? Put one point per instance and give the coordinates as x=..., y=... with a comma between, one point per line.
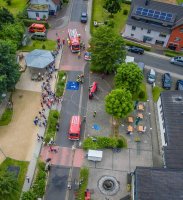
x=74, y=129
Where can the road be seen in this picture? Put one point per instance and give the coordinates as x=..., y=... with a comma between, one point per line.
x=157, y=62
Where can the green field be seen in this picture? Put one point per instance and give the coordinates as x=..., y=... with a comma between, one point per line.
x=179, y=1
x=36, y=44
x=21, y=177
x=100, y=15
x=15, y=7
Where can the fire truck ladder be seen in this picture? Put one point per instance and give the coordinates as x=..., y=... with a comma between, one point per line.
x=72, y=33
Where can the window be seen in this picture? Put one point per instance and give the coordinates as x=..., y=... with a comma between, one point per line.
x=37, y=14
x=148, y=31
x=133, y=28
x=181, y=49
x=162, y=35
x=132, y=35
x=181, y=30
x=177, y=39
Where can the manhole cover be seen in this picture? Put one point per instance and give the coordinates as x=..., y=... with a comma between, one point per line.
x=108, y=185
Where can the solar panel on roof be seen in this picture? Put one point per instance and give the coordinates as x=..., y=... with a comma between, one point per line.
x=169, y=15
x=144, y=13
x=156, y=16
x=156, y=12
x=145, y=10
x=150, y=15
x=168, y=19
x=164, y=14
x=151, y=11
x=138, y=12
x=139, y=9
x=162, y=17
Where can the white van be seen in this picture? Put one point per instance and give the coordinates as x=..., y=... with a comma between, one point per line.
x=151, y=77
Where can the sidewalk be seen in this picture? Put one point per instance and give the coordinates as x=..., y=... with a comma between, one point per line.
x=38, y=146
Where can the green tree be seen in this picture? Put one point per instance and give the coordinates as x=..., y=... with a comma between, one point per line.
x=112, y=6
x=8, y=185
x=5, y=17
x=12, y=32
x=9, y=68
x=118, y=103
x=107, y=49
x=129, y=76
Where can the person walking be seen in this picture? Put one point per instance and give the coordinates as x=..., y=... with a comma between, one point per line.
x=79, y=55
x=28, y=179
x=94, y=114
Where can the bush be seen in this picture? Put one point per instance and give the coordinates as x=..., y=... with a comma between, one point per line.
x=125, y=12
x=141, y=94
x=126, y=2
x=6, y=117
x=111, y=23
x=51, y=127
x=172, y=53
x=29, y=195
x=131, y=43
x=60, y=83
x=28, y=22
x=80, y=193
x=43, y=46
x=102, y=142
x=8, y=2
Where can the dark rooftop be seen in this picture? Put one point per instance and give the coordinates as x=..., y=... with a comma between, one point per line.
x=175, y=10
x=172, y=107
x=158, y=184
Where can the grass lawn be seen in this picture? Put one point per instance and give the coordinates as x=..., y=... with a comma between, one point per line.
x=179, y=1
x=22, y=173
x=36, y=44
x=15, y=7
x=100, y=15
x=6, y=117
x=156, y=93
x=60, y=83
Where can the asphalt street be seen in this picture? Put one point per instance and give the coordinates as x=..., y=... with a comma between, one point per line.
x=157, y=62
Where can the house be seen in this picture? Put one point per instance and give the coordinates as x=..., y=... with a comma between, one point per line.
x=170, y=114
x=153, y=22
x=41, y=9
x=157, y=184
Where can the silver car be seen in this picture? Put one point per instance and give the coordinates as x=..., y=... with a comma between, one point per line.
x=177, y=60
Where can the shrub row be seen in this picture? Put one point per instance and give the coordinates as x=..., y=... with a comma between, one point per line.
x=101, y=142
x=6, y=117
x=171, y=53
x=131, y=43
x=39, y=185
x=61, y=83
x=28, y=22
x=51, y=126
x=84, y=173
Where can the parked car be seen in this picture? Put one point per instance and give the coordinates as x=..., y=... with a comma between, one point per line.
x=87, y=56
x=179, y=85
x=84, y=17
x=39, y=36
x=136, y=50
x=151, y=77
x=177, y=60
x=166, y=81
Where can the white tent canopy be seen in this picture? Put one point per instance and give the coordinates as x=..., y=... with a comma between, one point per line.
x=39, y=59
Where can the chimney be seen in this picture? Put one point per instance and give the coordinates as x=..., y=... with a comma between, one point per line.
x=147, y=2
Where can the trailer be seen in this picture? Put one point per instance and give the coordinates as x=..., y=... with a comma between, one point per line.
x=95, y=155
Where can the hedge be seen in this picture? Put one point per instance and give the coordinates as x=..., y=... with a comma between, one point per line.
x=28, y=22
x=51, y=127
x=6, y=117
x=171, y=53
x=131, y=43
x=60, y=83
x=84, y=174
x=101, y=142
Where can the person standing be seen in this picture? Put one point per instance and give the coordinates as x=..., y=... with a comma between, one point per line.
x=94, y=114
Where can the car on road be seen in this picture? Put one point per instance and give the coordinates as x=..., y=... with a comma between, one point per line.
x=137, y=50
x=87, y=56
x=151, y=77
x=179, y=85
x=177, y=60
x=166, y=81
x=84, y=17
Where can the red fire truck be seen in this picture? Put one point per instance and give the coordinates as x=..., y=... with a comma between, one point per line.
x=74, y=40
x=74, y=130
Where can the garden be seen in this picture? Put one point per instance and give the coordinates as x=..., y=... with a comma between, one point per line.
x=6, y=117
x=60, y=83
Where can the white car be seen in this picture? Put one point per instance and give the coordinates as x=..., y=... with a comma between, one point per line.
x=177, y=60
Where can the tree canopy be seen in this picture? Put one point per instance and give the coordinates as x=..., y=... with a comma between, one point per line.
x=112, y=6
x=118, y=103
x=8, y=184
x=107, y=49
x=9, y=69
x=129, y=76
x=5, y=17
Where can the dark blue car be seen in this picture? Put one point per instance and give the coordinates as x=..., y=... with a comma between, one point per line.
x=179, y=85
x=166, y=81
x=84, y=17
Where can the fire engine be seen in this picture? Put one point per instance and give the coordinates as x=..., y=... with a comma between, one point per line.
x=74, y=40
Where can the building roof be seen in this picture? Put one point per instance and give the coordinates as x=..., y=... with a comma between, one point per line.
x=38, y=7
x=152, y=24
x=158, y=183
x=172, y=107
x=39, y=59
